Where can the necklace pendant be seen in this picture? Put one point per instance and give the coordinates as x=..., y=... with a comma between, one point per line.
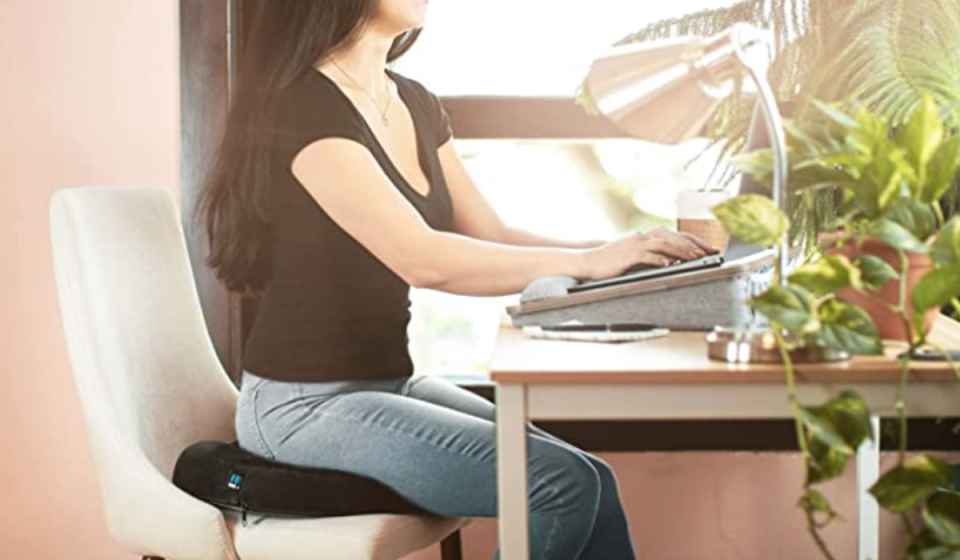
x=385, y=121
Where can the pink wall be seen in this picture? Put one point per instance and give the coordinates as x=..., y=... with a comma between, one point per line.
x=89, y=96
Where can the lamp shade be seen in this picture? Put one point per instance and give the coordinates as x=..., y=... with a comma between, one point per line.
x=666, y=91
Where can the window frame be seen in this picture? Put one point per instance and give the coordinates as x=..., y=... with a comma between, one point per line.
x=475, y=117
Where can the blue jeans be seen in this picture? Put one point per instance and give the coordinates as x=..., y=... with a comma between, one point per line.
x=435, y=444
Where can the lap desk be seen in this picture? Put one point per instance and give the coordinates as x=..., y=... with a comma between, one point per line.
x=697, y=300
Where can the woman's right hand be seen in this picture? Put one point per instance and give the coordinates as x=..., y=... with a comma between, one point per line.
x=655, y=248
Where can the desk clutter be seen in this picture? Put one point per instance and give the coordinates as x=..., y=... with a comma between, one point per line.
x=696, y=301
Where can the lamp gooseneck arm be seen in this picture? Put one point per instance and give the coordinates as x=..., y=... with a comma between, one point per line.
x=778, y=143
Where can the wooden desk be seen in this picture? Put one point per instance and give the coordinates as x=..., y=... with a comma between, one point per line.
x=672, y=378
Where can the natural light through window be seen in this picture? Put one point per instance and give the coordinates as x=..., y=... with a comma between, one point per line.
x=572, y=190
x=525, y=47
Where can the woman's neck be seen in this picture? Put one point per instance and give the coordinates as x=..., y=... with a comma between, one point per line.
x=363, y=61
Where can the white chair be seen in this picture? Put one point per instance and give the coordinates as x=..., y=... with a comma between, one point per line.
x=151, y=384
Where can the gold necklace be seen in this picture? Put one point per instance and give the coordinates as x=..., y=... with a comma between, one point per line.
x=383, y=113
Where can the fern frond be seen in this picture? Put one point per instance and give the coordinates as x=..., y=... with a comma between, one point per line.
x=886, y=53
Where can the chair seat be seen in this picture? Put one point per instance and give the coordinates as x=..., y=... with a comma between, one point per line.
x=353, y=537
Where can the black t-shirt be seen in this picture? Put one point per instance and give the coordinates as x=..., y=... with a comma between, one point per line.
x=331, y=309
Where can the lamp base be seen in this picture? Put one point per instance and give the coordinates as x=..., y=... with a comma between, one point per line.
x=759, y=346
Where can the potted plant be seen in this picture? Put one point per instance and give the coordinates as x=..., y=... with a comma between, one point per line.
x=884, y=53
x=888, y=184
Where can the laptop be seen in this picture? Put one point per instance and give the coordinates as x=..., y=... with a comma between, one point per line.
x=735, y=249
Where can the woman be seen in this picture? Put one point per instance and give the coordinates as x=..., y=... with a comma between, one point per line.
x=337, y=187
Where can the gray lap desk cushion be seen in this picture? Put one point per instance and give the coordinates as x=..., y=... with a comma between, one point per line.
x=697, y=300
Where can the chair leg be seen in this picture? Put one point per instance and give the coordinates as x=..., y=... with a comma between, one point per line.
x=450, y=547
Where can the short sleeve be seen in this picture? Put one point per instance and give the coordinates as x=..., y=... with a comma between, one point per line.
x=439, y=119
x=442, y=128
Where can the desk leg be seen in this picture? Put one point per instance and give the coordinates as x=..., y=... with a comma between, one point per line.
x=868, y=511
x=512, y=472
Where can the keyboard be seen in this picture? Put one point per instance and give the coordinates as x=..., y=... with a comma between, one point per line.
x=645, y=272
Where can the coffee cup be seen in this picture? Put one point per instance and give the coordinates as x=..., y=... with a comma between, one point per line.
x=694, y=215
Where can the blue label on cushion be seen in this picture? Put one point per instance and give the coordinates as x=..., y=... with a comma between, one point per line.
x=235, y=480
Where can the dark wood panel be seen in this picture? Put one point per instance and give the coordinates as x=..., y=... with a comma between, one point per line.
x=490, y=117
x=204, y=88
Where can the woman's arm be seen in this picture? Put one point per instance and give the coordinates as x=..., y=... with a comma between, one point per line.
x=515, y=236
x=345, y=180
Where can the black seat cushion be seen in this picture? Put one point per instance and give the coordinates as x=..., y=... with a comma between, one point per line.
x=228, y=476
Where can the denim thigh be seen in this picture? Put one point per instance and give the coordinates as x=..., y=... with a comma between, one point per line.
x=439, y=458
x=274, y=410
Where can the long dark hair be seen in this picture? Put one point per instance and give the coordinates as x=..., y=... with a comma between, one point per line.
x=288, y=38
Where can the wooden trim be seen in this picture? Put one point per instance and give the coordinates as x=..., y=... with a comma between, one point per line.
x=773, y=435
x=497, y=117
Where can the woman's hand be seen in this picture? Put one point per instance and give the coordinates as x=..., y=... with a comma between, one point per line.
x=656, y=248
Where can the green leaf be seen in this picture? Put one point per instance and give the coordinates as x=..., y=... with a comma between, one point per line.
x=820, y=426
x=887, y=176
x=791, y=307
x=758, y=164
x=926, y=547
x=875, y=272
x=836, y=115
x=851, y=417
x=915, y=216
x=875, y=128
x=851, y=163
x=847, y=327
x=816, y=502
x=834, y=431
x=825, y=462
x=896, y=235
x=923, y=133
x=946, y=248
x=941, y=170
x=866, y=195
x=814, y=174
x=936, y=288
x=941, y=515
x=752, y=218
x=903, y=487
x=796, y=135
x=826, y=275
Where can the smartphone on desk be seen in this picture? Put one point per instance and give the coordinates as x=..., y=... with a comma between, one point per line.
x=600, y=327
x=597, y=332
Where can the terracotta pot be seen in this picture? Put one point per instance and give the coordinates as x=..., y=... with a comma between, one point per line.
x=888, y=323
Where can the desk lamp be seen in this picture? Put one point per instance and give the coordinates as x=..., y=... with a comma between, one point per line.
x=665, y=91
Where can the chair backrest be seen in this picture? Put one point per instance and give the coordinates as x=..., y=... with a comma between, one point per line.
x=148, y=376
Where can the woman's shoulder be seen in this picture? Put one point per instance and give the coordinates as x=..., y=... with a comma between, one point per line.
x=413, y=84
x=430, y=106
x=310, y=90
x=309, y=109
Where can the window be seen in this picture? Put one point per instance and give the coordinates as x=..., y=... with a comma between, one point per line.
x=508, y=72
x=525, y=47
